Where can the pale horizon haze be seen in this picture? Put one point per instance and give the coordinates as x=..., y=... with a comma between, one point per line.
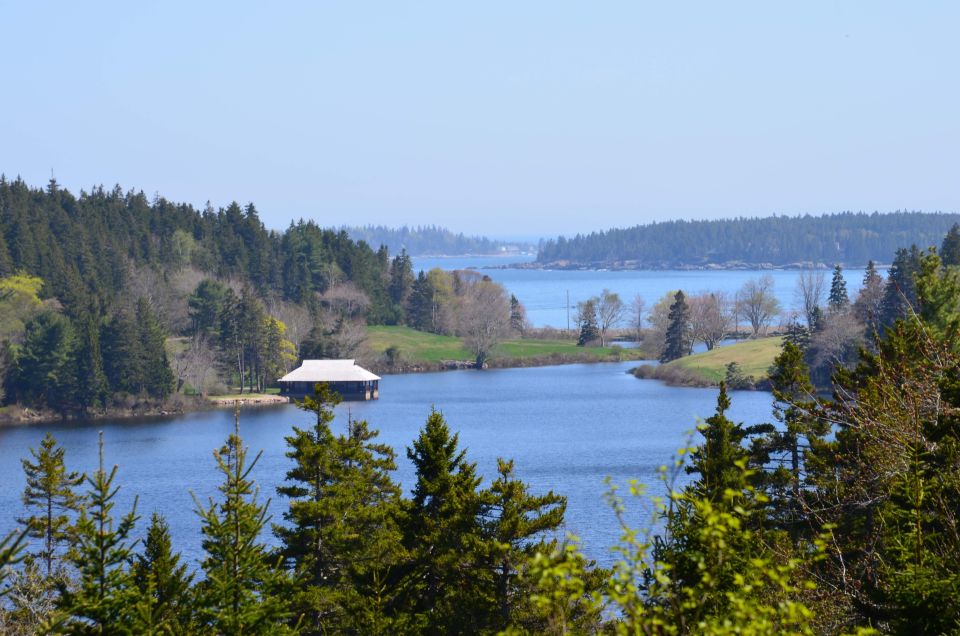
x=504, y=119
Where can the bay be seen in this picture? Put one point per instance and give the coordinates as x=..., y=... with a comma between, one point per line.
x=544, y=292
x=567, y=428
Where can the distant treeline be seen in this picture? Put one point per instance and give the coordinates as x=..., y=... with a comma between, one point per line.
x=428, y=240
x=848, y=238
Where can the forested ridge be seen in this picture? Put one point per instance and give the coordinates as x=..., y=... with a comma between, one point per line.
x=425, y=240
x=94, y=285
x=848, y=238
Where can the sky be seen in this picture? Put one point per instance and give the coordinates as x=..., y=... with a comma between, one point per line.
x=510, y=119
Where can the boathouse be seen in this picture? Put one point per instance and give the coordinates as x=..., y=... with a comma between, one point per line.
x=351, y=381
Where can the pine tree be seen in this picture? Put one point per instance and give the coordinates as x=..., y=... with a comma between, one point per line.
x=49, y=493
x=164, y=599
x=101, y=600
x=341, y=538
x=244, y=589
x=678, y=342
x=514, y=531
x=838, y=299
x=441, y=532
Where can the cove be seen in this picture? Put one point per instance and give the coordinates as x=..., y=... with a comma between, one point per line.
x=566, y=427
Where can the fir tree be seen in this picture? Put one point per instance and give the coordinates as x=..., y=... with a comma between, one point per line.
x=49, y=494
x=441, y=532
x=678, y=342
x=101, y=600
x=164, y=599
x=838, y=299
x=243, y=589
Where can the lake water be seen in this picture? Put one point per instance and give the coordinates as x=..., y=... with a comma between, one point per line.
x=567, y=428
x=544, y=292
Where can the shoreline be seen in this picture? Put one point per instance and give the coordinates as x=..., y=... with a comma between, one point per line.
x=636, y=266
x=15, y=415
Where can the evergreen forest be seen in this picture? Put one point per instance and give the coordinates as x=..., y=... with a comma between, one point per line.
x=851, y=239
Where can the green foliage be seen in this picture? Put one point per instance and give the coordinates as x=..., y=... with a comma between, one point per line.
x=49, y=495
x=838, y=300
x=164, y=601
x=44, y=374
x=441, y=532
x=341, y=539
x=587, y=319
x=679, y=341
x=243, y=589
x=513, y=529
x=847, y=237
x=101, y=600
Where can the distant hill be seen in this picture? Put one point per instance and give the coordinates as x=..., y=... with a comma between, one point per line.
x=430, y=240
x=848, y=238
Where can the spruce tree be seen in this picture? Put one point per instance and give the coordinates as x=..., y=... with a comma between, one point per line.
x=49, y=495
x=441, y=532
x=514, y=532
x=157, y=379
x=91, y=389
x=164, y=599
x=101, y=600
x=587, y=319
x=518, y=319
x=868, y=305
x=950, y=249
x=244, y=589
x=791, y=448
x=717, y=458
x=341, y=535
x=900, y=294
x=678, y=341
x=838, y=299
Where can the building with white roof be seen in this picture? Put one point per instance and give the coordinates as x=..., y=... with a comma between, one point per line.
x=351, y=381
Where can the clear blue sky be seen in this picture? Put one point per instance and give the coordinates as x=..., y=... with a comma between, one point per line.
x=524, y=118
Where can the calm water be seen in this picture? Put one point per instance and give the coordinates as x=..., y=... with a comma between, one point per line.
x=567, y=427
x=544, y=292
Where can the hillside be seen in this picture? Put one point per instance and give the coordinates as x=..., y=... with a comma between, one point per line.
x=847, y=238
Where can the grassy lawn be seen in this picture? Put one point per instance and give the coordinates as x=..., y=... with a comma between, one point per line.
x=419, y=346
x=416, y=345
x=753, y=356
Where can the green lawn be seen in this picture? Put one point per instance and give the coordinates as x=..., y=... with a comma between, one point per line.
x=419, y=346
x=753, y=356
x=416, y=345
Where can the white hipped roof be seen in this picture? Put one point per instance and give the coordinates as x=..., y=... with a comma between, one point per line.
x=329, y=371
